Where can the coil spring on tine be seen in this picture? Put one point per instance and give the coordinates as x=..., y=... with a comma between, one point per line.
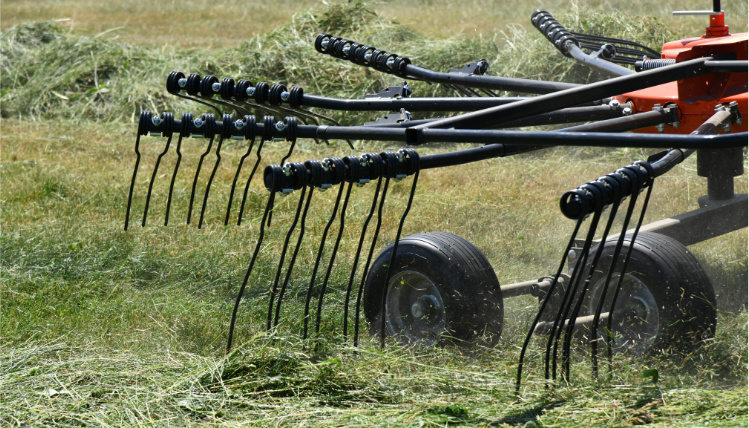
x=295, y=97
x=240, y=89
x=336, y=47
x=292, y=125
x=274, y=94
x=650, y=64
x=261, y=92
x=206, y=86
x=193, y=84
x=250, y=127
x=376, y=160
x=319, y=41
x=172, y=82
x=360, y=56
x=185, y=125
x=399, y=66
x=268, y=127
x=227, y=88
x=337, y=166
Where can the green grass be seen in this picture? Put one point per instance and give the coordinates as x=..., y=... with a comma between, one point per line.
x=99, y=326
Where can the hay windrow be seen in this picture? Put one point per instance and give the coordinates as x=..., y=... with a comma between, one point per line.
x=53, y=73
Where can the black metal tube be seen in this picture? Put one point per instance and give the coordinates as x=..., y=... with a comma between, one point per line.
x=628, y=123
x=598, y=139
x=482, y=136
x=567, y=115
x=527, y=86
x=569, y=97
x=597, y=63
x=410, y=104
x=727, y=66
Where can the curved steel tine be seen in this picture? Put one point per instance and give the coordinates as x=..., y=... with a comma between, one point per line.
x=293, y=255
x=604, y=292
x=392, y=256
x=276, y=113
x=624, y=267
x=283, y=256
x=174, y=176
x=320, y=250
x=153, y=178
x=249, y=180
x=200, y=101
x=300, y=114
x=569, y=295
x=570, y=326
x=236, y=176
x=489, y=92
x=369, y=261
x=283, y=160
x=210, y=180
x=132, y=181
x=195, y=180
x=356, y=258
x=544, y=303
x=237, y=107
x=268, y=206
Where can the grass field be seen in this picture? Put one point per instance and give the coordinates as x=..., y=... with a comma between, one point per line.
x=105, y=327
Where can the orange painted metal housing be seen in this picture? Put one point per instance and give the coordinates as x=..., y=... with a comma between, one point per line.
x=697, y=97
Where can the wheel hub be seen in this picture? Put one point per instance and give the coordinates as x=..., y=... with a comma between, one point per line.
x=414, y=309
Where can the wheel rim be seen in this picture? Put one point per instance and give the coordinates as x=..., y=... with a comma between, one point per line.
x=414, y=309
x=636, y=321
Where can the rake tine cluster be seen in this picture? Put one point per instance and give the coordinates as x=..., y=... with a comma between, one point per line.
x=321, y=176
x=578, y=304
x=240, y=95
x=578, y=204
x=206, y=126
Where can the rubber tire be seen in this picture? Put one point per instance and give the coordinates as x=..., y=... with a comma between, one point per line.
x=473, y=307
x=684, y=296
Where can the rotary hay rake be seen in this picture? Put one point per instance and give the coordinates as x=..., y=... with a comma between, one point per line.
x=632, y=290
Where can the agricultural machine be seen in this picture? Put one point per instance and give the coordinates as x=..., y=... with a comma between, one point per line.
x=633, y=288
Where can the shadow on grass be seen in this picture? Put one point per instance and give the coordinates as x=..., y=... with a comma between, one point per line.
x=522, y=417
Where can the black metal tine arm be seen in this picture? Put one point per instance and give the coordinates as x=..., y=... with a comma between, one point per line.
x=290, y=269
x=389, y=158
x=265, y=136
x=228, y=122
x=299, y=173
x=390, y=63
x=550, y=292
x=315, y=181
x=248, y=124
x=338, y=167
x=208, y=121
x=552, y=344
x=370, y=161
x=244, y=90
x=183, y=132
x=629, y=177
x=275, y=179
x=168, y=133
x=413, y=156
x=614, y=183
x=145, y=116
